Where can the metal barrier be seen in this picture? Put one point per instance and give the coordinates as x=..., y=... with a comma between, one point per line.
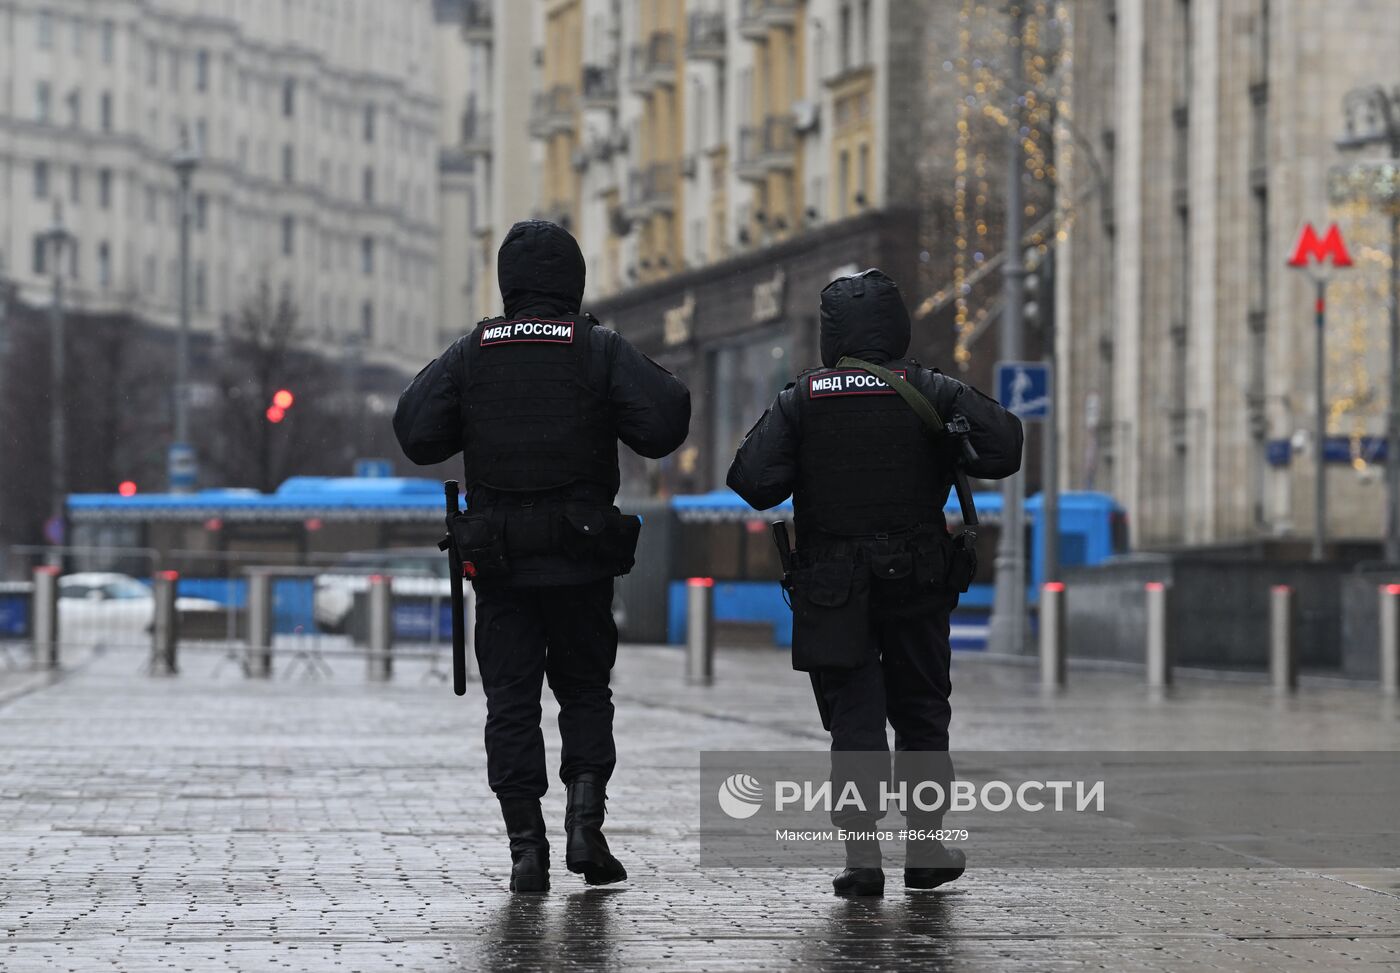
x=1283, y=651
x=1052, y=635
x=1159, y=661
x=700, y=631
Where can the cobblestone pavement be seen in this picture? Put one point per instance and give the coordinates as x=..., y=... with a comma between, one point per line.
x=211, y=823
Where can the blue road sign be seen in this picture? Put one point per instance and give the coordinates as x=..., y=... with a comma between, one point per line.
x=1023, y=387
x=182, y=467
x=374, y=469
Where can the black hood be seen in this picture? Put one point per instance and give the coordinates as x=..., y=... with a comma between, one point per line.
x=863, y=316
x=540, y=269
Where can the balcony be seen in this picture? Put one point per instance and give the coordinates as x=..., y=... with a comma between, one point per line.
x=651, y=189
x=553, y=111
x=599, y=86
x=756, y=16
x=477, y=20
x=704, y=40
x=766, y=148
x=653, y=63
x=476, y=131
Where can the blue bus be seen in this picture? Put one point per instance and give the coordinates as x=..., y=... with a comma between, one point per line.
x=721, y=537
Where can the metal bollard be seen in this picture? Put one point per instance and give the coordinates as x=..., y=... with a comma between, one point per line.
x=44, y=608
x=1159, y=662
x=165, y=626
x=1052, y=635
x=1390, y=638
x=258, y=664
x=700, y=631
x=381, y=633
x=1283, y=651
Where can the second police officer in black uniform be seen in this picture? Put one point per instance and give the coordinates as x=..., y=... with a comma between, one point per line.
x=876, y=573
x=536, y=401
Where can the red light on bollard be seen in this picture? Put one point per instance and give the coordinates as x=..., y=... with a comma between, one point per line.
x=700, y=582
x=1056, y=586
x=1391, y=589
x=170, y=575
x=1154, y=586
x=127, y=488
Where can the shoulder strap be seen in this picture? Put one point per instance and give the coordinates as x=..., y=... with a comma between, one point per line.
x=915, y=399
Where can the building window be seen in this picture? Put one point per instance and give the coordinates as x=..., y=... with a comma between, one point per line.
x=287, y=163
x=152, y=205
x=109, y=41
x=843, y=39
x=150, y=274
x=152, y=63
x=288, y=236
x=367, y=255
x=200, y=295
x=175, y=70
x=864, y=55
x=105, y=111
x=75, y=185
x=104, y=265
x=201, y=210
x=43, y=103
x=104, y=188
x=843, y=183
x=201, y=70
x=863, y=174
x=77, y=35
x=369, y=123
x=369, y=185
x=45, y=30
x=75, y=108
x=289, y=98
x=41, y=179
x=41, y=254
x=201, y=136
x=367, y=320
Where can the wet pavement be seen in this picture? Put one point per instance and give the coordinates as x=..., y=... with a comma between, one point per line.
x=210, y=823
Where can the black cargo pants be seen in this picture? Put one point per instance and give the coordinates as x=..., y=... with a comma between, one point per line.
x=906, y=683
x=564, y=634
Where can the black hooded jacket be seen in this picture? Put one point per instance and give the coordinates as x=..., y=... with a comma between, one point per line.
x=541, y=274
x=863, y=316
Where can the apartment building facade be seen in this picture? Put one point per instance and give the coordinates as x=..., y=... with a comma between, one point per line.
x=316, y=127
x=1187, y=347
x=719, y=163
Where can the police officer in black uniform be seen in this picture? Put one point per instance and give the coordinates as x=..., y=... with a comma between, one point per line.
x=875, y=574
x=537, y=401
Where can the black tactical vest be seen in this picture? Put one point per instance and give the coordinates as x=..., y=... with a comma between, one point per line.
x=866, y=464
x=529, y=419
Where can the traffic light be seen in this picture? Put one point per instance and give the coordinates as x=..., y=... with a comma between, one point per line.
x=127, y=488
x=282, y=400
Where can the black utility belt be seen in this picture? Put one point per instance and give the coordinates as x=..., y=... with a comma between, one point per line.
x=925, y=557
x=488, y=541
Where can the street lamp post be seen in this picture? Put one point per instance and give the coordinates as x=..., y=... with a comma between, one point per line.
x=1007, y=630
x=57, y=239
x=181, y=458
x=1372, y=118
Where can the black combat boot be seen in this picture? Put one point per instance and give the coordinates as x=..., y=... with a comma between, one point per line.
x=529, y=845
x=932, y=865
x=863, y=874
x=587, y=850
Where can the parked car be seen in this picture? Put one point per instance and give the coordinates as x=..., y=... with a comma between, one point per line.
x=101, y=608
x=415, y=570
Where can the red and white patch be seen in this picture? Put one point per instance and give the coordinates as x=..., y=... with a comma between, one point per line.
x=852, y=382
x=510, y=332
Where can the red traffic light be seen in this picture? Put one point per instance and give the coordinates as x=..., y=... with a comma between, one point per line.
x=275, y=414
x=127, y=488
x=283, y=399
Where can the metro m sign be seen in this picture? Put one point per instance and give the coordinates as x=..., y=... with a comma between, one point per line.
x=1328, y=250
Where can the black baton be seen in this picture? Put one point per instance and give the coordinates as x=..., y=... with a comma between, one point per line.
x=454, y=571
